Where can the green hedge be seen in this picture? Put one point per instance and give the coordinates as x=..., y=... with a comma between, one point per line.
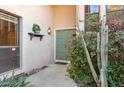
x=79, y=69
x=14, y=81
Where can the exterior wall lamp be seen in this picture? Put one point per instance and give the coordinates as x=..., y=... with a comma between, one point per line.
x=49, y=31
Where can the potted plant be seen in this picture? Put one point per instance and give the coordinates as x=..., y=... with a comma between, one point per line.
x=36, y=28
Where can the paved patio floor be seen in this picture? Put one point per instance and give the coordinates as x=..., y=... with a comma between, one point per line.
x=55, y=75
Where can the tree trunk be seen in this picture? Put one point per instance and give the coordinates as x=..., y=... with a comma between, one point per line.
x=94, y=74
x=104, y=41
x=98, y=51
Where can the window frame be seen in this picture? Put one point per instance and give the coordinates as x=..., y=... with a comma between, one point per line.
x=19, y=41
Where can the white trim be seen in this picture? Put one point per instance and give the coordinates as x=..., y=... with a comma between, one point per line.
x=21, y=42
x=54, y=44
x=9, y=17
x=64, y=28
x=64, y=61
x=9, y=46
x=8, y=20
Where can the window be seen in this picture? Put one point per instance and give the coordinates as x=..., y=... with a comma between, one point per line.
x=114, y=7
x=90, y=9
x=9, y=42
x=8, y=30
x=91, y=17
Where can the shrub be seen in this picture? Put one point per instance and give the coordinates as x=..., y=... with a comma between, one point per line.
x=116, y=59
x=14, y=81
x=79, y=69
x=91, y=22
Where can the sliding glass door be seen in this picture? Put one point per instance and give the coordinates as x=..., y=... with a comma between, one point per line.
x=9, y=43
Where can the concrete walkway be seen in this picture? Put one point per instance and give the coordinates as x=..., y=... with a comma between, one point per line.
x=54, y=75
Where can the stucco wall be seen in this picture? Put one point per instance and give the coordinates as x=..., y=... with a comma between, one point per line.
x=36, y=53
x=64, y=16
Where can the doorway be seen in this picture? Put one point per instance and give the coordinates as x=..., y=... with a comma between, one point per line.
x=9, y=42
x=63, y=40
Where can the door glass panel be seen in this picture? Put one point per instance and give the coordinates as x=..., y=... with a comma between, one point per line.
x=9, y=46
x=9, y=59
x=8, y=31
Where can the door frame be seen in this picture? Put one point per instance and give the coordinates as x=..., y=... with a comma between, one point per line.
x=63, y=61
x=20, y=39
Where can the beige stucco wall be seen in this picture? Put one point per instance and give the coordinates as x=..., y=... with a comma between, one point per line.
x=80, y=17
x=36, y=53
x=64, y=16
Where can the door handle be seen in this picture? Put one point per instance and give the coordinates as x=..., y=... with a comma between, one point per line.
x=13, y=49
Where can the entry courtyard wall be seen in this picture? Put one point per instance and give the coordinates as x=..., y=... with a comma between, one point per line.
x=36, y=53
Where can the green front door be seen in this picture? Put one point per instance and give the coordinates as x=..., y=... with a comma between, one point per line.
x=63, y=38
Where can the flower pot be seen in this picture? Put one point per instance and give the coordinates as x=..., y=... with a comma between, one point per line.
x=36, y=31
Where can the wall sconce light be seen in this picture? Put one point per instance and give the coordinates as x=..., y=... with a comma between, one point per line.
x=49, y=30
